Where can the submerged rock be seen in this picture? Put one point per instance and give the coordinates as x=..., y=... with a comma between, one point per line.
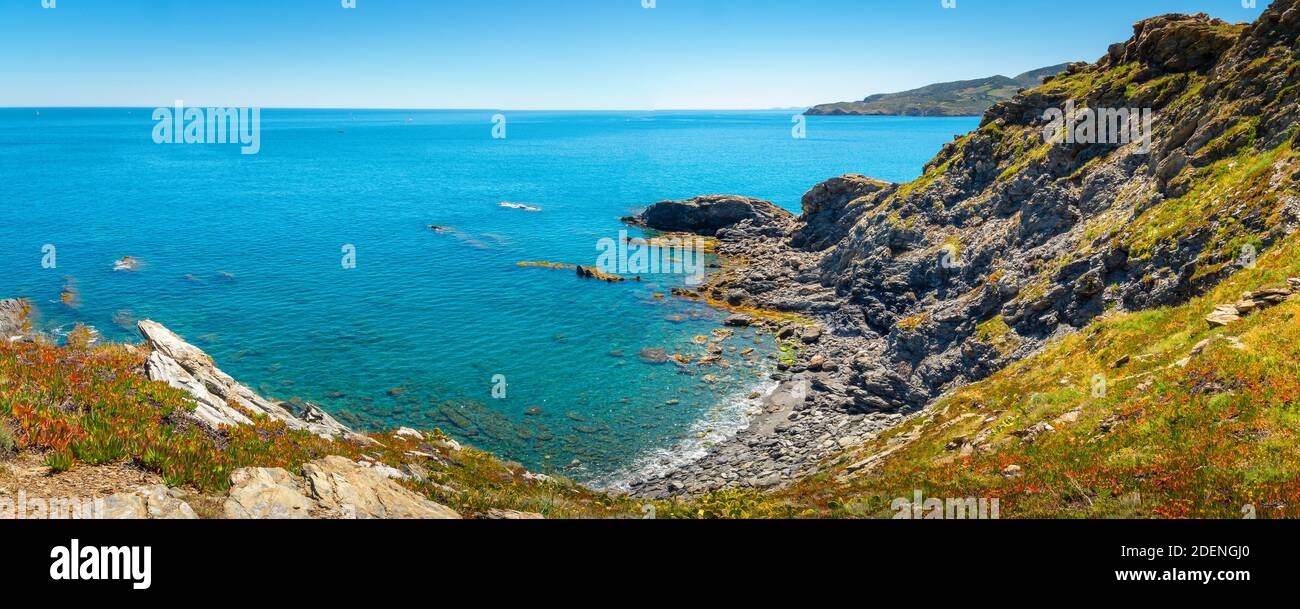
x=654, y=355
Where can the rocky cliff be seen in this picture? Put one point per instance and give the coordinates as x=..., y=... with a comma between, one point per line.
x=1014, y=236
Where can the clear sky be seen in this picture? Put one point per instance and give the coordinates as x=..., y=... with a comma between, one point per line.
x=540, y=54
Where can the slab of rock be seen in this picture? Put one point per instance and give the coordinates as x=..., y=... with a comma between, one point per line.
x=266, y=493
x=146, y=502
x=812, y=335
x=342, y=486
x=407, y=432
x=739, y=320
x=1222, y=316
x=186, y=367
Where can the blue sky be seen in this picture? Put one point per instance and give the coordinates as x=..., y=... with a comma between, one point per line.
x=539, y=54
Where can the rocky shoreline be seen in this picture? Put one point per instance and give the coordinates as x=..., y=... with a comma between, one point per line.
x=1008, y=241
x=809, y=415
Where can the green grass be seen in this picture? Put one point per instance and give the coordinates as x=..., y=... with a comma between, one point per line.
x=1229, y=189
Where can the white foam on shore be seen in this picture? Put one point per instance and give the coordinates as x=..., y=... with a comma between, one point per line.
x=722, y=423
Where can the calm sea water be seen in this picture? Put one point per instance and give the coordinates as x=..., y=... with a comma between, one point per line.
x=242, y=255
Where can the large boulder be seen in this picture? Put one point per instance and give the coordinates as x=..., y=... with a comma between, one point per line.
x=708, y=214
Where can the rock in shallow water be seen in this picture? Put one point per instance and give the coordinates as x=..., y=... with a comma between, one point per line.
x=708, y=214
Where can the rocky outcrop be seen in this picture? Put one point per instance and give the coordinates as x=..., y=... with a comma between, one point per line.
x=709, y=214
x=1010, y=238
x=830, y=209
x=14, y=323
x=148, y=502
x=333, y=487
x=1175, y=43
x=173, y=361
x=1252, y=302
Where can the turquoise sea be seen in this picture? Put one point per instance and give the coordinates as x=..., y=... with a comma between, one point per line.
x=242, y=255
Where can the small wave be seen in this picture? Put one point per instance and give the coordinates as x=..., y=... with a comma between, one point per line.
x=717, y=426
x=127, y=263
x=520, y=206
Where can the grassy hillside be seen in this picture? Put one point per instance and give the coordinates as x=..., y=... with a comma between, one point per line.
x=960, y=98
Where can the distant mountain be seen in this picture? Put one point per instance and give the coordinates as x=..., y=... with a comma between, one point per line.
x=960, y=98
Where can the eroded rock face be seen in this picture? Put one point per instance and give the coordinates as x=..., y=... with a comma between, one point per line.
x=186, y=367
x=13, y=320
x=1176, y=43
x=830, y=209
x=333, y=487
x=708, y=214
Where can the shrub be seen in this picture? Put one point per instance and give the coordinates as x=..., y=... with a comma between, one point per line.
x=8, y=444
x=58, y=460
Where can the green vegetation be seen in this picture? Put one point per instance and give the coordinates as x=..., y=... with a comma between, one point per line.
x=84, y=406
x=960, y=98
x=8, y=444
x=997, y=334
x=1240, y=183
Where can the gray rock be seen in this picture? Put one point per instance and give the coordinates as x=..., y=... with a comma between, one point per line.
x=709, y=214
